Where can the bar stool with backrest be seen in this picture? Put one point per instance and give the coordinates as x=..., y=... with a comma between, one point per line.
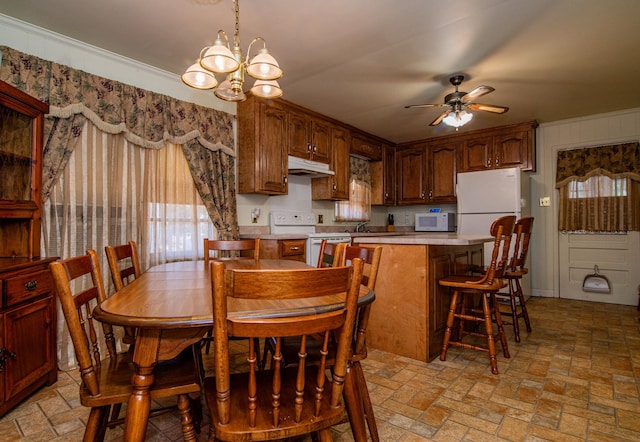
x=125, y=267
x=279, y=402
x=466, y=287
x=106, y=383
x=228, y=249
x=514, y=273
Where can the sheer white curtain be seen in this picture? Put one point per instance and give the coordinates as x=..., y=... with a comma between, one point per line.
x=113, y=191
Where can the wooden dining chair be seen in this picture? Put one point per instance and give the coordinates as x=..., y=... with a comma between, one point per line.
x=514, y=273
x=358, y=397
x=228, y=249
x=280, y=402
x=106, y=382
x=232, y=248
x=124, y=266
x=328, y=254
x=466, y=287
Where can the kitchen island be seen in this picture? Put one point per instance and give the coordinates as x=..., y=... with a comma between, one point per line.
x=409, y=314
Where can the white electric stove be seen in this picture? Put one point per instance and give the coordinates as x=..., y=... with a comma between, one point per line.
x=290, y=222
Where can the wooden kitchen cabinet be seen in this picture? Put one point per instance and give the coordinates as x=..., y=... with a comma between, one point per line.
x=262, y=154
x=383, y=178
x=292, y=249
x=335, y=187
x=498, y=148
x=411, y=174
x=309, y=137
x=27, y=306
x=366, y=147
x=441, y=172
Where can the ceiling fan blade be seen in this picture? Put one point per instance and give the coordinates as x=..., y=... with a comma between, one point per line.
x=439, y=119
x=422, y=105
x=477, y=93
x=488, y=108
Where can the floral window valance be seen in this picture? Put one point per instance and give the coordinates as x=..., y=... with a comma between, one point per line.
x=622, y=160
x=145, y=118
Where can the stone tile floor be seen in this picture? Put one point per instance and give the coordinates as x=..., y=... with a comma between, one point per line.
x=576, y=377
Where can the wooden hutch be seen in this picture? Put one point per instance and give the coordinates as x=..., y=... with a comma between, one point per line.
x=27, y=303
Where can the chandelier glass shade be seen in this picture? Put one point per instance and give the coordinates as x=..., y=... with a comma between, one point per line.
x=223, y=58
x=457, y=118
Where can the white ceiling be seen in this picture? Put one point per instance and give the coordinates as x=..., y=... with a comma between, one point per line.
x=362, y=61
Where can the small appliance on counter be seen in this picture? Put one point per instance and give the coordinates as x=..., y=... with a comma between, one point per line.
x=435, y=222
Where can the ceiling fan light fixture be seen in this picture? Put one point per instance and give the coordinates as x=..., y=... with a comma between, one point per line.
x=457, y=119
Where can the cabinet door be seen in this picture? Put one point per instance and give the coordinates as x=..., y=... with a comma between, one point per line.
x=299, y=135
x=335, y=187
x=411, y=172
x=442, y=173
x=321, y=141
x=271, y=161
x=513, y=149
x=476, y=154
x=29, y=337
x=389, y=176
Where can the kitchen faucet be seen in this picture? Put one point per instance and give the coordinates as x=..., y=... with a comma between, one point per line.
x=360, y=227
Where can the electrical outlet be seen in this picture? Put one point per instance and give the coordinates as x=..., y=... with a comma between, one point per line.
x=545, y=201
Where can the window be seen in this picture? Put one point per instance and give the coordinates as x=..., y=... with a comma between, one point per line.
x=358, y=208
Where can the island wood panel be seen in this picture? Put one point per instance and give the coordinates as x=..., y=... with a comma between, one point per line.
x=409, y=314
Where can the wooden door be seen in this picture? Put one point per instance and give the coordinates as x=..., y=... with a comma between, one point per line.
x=411, y=167
x=321, y=141
x=29, y=337
x=389, y=176
x=442, y=173
x=513, y=149
x=476, y=154
x=271, y=155
x=340, y=144
x=299, y=135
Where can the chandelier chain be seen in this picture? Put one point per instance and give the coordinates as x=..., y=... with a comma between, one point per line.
x=236, y=35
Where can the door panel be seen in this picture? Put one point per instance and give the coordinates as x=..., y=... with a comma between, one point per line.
x=617, y=258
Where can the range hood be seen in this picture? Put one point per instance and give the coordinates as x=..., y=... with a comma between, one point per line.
x=300, y=166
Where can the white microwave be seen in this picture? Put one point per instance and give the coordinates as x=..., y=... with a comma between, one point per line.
x=435, y=222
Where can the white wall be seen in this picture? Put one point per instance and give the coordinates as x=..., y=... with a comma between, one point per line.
x=593, y=130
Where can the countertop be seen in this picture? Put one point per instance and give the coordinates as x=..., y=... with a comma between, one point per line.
x=430, y=239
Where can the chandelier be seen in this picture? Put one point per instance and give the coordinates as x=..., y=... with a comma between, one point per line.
x=222, y=58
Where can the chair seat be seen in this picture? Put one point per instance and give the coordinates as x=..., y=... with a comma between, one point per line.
x=239, y=429
x=471, y=283
x=172, y=378
x=516, y=273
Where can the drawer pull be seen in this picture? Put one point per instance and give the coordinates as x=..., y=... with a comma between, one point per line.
x=294, y=249
x=31, y=285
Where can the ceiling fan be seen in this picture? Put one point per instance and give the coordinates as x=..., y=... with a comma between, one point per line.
x=458, y=103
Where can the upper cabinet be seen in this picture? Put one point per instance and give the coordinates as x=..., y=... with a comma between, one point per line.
x=21, y=132
x=335, y=187
x=366, y=146
x=441, y=171
x=383, y=178
x=309, y=137
x=411, y=175
x=496, y=148
x=263, y=129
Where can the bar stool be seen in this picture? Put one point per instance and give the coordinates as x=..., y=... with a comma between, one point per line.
x=464, y=289
x=514, y=274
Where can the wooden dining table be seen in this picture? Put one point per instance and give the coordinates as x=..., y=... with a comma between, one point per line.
x=170, y=305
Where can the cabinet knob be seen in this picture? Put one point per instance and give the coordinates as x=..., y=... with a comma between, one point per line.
x=284, y=180
x=497, y=161
x=315, y=148
x=295, y=249
x=309, y=147
x=430, y=194
x=334, y=187
x=422, y=195
x=488, y=162
x=31, y=285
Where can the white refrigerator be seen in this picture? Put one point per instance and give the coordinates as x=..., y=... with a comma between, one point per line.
x=487, y=195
